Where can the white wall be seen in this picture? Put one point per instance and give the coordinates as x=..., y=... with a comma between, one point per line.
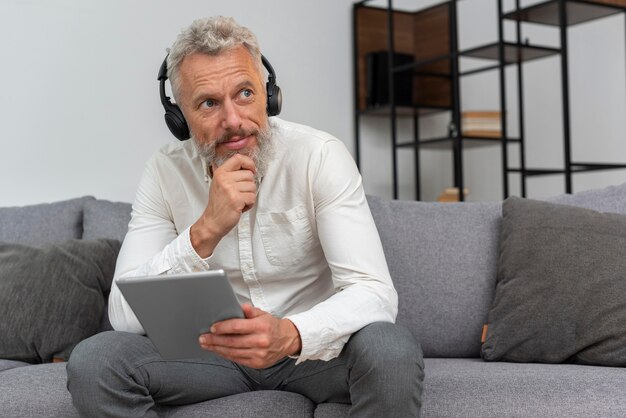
x=80, y=112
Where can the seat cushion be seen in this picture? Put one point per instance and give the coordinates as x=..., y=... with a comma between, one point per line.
x=11, y=364
x=35, y=391
x=40, y=390
x=261, y=404
x=471, y=387
x=43, y=224
x=332, y=410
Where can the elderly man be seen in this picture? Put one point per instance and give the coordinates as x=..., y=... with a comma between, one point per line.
x=280, y=207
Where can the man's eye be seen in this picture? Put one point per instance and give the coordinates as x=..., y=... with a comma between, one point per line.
x=246, y=93
x=208, y=103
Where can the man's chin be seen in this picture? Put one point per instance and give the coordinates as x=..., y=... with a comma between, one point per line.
x=223, y=156
x=226, y=153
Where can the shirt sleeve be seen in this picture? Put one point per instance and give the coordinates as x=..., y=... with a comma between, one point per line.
x=152, y=246
x=351, y=244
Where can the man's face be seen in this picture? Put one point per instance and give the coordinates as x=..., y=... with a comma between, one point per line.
x=223, y=99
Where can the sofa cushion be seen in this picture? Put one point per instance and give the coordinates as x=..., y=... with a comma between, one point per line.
x=332, y=410
x=471, y=387
x=44, y=223
x=40, y=391
x=259, y=404
x=11, y=364
x=36, y=391
x=560, y=286
x=105, y=219
x=609, y=199
x=52, y=297
x=442, y=258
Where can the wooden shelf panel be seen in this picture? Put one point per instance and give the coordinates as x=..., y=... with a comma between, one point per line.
x=547, y=13
x=513, y=53
x=423, y=34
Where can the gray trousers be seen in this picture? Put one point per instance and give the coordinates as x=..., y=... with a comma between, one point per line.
x=117, y=374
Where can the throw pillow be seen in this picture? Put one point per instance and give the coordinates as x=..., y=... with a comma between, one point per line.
x=52, y=297
x=561, y=286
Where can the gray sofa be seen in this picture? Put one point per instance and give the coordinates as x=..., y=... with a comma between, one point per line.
x=442, y=258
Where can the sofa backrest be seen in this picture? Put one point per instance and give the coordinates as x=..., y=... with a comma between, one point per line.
x=43, y=223
x=442, y=256
x=442, y=259
x=85, y=217
x=105, y=219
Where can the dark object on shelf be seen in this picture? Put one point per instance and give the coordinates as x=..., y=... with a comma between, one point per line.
x=377, y=71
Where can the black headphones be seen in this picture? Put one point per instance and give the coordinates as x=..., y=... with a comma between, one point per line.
x=174, y=116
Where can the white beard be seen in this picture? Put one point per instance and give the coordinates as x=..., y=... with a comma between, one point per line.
x=262, y=154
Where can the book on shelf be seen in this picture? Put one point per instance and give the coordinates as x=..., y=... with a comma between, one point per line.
x=451, y=194
x=481, y=123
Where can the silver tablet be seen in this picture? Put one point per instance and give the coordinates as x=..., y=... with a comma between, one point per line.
x=175, y=309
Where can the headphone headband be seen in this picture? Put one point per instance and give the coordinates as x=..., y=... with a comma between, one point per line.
x=175, y=119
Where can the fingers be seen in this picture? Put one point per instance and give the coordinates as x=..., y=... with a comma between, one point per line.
x=250, y=341
x=235, y=179
x=237, y=162
x=248, y=350
x=243, y=179
x=250, y=311
x=259, y=340
x=232, y=192
x=250, y=325
x=256, y=359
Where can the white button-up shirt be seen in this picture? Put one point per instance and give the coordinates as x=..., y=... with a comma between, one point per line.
x=308, y=250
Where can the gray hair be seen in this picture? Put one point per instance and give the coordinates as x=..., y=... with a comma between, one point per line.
x=211, y=36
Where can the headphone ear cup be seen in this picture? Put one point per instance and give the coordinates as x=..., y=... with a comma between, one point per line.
x=274, y=99
x=176, y=122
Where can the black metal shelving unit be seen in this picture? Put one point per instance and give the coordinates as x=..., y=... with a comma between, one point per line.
x=445, y=66
x=563, y=14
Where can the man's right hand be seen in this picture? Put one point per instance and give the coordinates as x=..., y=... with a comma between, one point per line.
x=232, y=192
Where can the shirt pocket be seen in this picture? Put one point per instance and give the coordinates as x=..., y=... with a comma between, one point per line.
x=285, y=235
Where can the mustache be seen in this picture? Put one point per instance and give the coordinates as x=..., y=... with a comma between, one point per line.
x=227, y=136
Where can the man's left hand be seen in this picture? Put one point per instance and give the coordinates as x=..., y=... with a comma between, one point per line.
x=258, y=341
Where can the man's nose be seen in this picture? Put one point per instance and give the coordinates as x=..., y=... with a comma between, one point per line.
x=231, y=120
